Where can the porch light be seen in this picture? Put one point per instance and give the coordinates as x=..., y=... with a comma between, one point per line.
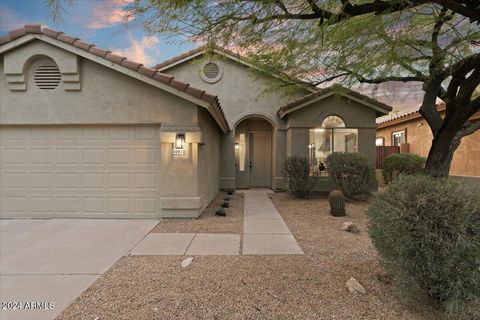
x=237, y=146
x=179, y=140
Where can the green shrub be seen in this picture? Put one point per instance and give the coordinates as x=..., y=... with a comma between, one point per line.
x=427, y=232
x=352, y=173
x=401, y=163
x=297, y=175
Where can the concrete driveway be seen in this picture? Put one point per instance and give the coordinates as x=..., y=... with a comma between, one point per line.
x=46, y=263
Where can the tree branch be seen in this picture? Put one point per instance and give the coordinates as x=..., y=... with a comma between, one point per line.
x=469, y=129
x=389, y=78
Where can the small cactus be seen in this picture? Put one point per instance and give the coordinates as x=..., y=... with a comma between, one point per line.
x=225, y=204
x=230, y=192
x=222, y=212
x=337, y=203
x=227, y=199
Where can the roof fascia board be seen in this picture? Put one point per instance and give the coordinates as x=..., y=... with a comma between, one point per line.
x=283, y=113
x=366, y=103
x=116, y=67
x=17, y=42
x=176, y=63
x=220, y=52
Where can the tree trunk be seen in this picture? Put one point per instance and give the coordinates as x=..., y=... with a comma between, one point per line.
x=441, y=153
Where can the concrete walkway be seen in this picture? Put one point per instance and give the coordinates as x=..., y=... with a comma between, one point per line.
x=264, y=233
x=52, y=261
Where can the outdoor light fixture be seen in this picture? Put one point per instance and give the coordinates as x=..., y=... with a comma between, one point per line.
x=179, y=141
x=237, y=146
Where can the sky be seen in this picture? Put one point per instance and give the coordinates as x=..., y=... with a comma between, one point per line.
x=96, y=21
x=102, y=23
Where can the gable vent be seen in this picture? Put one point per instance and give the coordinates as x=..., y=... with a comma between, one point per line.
x=47, y=76
x=211, y=70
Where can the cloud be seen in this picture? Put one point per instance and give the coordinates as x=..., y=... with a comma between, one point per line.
x=109, y=13
x=10, y=20
x=145, y=50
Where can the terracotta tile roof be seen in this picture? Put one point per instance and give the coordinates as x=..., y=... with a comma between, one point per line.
x=395, y=116
x=123, y=61
x=193, y=52
x=406, y=115
x=332, y=89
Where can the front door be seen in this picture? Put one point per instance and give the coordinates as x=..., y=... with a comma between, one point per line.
x=260, y=159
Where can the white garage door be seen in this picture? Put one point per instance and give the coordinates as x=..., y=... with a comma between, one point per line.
x=79, y=171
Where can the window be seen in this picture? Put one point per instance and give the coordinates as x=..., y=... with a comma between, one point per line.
x=380, y=142
x=241, y=152
x=332, y=137
x=398, y=138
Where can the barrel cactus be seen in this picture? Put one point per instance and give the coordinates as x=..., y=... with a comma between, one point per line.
x=337, y=203
x=225, y=204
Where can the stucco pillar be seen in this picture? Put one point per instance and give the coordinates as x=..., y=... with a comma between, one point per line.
x=227, y=161
x=280, y=155
x=297, y=142
x=180, y=196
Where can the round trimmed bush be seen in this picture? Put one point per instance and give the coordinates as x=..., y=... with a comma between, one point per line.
x=401, y=163
x=352, y=173
x=427, y=232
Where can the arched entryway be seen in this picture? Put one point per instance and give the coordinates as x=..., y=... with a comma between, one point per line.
x=253, y=153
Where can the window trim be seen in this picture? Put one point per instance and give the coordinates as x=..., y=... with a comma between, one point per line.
x=399, y=131
x=332, y=115
x=383, y=141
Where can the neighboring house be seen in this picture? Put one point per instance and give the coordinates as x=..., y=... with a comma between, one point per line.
x=411, y=131
x=87, y=133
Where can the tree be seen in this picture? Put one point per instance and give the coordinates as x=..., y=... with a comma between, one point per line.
x=315, y=42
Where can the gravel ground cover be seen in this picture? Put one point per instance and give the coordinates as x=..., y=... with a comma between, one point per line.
x=208, y=222
x=310, y=286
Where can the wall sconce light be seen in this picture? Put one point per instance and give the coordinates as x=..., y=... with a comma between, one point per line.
x=237, y=146
x=179, y=140
x=311, y=146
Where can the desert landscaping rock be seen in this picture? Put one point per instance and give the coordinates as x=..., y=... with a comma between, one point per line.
x=306, y=287
x=354, y=286
x=350, y=227
x=209, y=222
x=185, y=263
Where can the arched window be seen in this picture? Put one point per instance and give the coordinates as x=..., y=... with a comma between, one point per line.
x=333, y=122
x=332, y=136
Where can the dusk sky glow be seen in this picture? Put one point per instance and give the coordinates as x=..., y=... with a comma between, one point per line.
x=97, y=21
x=102, y=23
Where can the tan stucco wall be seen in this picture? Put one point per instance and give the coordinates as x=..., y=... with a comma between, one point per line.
x=110, y=97
x=241, y=94
x=106, y=97
x=419, y=138
x=209, y=158
x=354, y=114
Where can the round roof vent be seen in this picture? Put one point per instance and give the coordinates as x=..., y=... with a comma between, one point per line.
x=47, y=76
x=211, y=72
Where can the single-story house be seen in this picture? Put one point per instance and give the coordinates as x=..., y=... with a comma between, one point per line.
x=410, y=131
x=87, y=133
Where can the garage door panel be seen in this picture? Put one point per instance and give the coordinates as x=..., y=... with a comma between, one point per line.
x=90, y=171
x=119, y=156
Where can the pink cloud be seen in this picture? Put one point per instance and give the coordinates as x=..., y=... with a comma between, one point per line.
x=10, y=20
x=144, y=50
x=109, y=13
